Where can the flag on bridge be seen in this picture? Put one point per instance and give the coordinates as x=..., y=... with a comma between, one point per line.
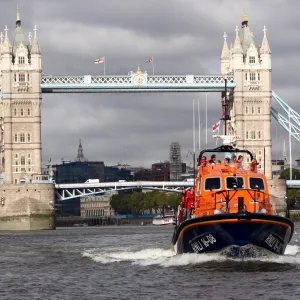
x=150, y=59
x=216, y=126
x=100, y=60
x=223, y=112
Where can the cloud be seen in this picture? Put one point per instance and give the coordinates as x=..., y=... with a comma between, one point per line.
x=185, y=37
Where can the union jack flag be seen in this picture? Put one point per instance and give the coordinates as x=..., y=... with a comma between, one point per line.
x=150, y=59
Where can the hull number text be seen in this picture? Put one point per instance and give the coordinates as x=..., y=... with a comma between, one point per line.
x=203, y=243
x=274, y=243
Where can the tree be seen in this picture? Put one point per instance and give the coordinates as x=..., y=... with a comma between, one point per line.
x=285, y=174
x=138, y=203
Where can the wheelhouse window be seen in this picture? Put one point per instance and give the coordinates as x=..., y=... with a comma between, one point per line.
x=234, y=182
x=213, y=183
x=256, y=183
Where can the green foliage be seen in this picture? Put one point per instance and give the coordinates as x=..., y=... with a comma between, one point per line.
x=285, y=174
x=138, y=203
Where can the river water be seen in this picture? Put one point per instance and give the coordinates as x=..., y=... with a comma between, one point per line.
x=135, y=262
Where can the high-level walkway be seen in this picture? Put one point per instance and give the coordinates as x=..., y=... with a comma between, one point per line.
x=135, y=82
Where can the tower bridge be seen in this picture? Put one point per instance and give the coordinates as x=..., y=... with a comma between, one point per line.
x=245, y=82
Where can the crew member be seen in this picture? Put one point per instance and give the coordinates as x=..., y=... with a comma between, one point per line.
x=189, y=203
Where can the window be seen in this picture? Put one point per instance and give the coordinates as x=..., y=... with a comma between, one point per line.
x=246, y=110
x=234, y=182
x=16, y=137
x=15, y=77
x=28, y=77
x=252, y=76
x=22, y=112
x=259, y=135
x=16, y=180
x=252, y=59
x=258, y=109
x=247, y=135
x=28, y=112
x=21, y=77
x=28, y=138
x=15, y=111
x=22, y=160
x=21, y=60
x=16, y=156
x=253, y=135
x=246, y=76
x=252, y=110
x=28, y=163
x=23, y=170
x=17, y=170
x=213, y=183
x=256, y=183
x=28, y=155
x=16, y=163
x=22, y=138
x=259, y=152
x=258, y=76
x=29, y=169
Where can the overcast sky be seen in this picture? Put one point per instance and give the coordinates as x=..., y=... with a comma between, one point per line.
x=184, y=36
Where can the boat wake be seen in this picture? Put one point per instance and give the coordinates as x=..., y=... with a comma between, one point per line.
x=168, y=258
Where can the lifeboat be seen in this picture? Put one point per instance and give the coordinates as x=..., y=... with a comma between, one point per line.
x=232, y=212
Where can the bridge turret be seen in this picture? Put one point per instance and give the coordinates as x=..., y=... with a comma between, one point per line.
x=237, y=52
x=265, y=52
x=225, y=57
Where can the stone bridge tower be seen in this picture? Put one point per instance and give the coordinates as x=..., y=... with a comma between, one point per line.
x=250, y=102
x=26, y=203
x=20, y=69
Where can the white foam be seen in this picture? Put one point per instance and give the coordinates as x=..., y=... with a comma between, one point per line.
x=292, y=250
x=168, y=258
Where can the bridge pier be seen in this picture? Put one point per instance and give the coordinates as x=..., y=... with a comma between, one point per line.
x=27, y=206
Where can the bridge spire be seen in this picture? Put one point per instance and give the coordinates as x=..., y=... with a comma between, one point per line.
x=225, y=50
x=19, y=35
x=244, y=19
x=35, y=45
x=237, y=47
x=265, y=48
x=18, y=20
x=6, y=43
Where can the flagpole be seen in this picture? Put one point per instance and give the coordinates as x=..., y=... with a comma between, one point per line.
x=290, y=145
x=199, y=137
x=104, y=66
x=152, y=66
x=194, y=144
x=206, y=115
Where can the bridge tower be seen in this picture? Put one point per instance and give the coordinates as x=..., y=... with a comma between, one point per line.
x=20, y=67
x=26, y=203
x=250, y=102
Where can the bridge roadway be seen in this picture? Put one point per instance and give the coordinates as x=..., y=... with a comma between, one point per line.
x=74, y=190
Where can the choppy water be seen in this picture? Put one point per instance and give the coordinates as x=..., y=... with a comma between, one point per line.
x=135, y=262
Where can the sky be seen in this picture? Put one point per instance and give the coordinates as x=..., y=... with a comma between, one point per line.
x=183, y=36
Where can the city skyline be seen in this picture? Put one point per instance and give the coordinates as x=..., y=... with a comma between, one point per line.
x=138, y=129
